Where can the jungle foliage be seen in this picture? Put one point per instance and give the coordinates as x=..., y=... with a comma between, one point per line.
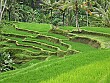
x=66, y=12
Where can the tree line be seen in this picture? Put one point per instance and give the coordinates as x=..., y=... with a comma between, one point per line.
x=58, y=12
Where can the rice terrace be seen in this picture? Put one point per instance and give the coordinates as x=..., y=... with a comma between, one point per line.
x=54, y=41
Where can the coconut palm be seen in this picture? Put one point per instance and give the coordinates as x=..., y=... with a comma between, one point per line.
x=76, y=14
x=86, y=5
x=49, y=5
x=63, y=6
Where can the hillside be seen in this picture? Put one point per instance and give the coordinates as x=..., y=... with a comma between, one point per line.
x=64, y=55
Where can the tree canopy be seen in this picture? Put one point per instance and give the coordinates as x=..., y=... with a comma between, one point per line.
x=85, y=12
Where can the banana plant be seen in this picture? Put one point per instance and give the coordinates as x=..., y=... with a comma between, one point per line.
x=105, y=13
x=5, y=62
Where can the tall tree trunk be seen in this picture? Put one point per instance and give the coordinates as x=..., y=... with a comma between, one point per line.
x=51, y=15
x=87, y=18
x=105, y=5
x=63, y=18
x=77, y=24
x=38, y=2
x=9, y=10
x=0, y=11
x=9, y=15
x=32, y=4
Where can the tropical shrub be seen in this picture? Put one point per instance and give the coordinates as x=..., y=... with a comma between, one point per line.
x=5, y=62
x=104, y=13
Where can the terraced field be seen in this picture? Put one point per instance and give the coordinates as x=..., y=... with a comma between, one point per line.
x=68, y=56
x=102, y=35
x=38, y=41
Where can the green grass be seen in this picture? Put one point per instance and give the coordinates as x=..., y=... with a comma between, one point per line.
x=14, y=38
x=47, y=42
x=69, y=28
x=55, y=35
x=30, y=63
x=96, y=72
x=54, y=68
x=104, y=40
x=12, y=30
x=12, y=45
x=41, y=28
x=29, y=44
x=15, y=72
x=80, y=46
x=91, y=65
x=37, y=45
x=52, y=57
x=34, y=26
x=99, y=38
x=2, y=42
x=97, y=29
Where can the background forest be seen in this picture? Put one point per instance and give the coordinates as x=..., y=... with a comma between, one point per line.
x=60, y=12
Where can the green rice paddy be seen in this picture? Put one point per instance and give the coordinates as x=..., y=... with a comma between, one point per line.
x=89, y=65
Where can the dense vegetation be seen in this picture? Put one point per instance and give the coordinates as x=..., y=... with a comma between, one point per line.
x=54, y=41
x=62, y=12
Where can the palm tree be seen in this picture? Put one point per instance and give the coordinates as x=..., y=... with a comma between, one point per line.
x=74, y=5
x=76, y=14
x=69, y=4
x=49, y=5
x=86, y=5
x=63, y=6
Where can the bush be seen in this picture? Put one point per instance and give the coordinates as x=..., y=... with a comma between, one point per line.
x=55, y=21
x=5, y=62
